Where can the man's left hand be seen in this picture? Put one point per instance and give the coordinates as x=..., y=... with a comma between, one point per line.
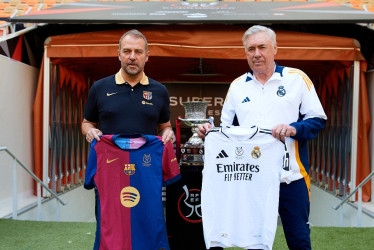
x=281, y=131
x=168, y=135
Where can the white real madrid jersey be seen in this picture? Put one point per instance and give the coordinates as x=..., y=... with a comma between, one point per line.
x=240, y=188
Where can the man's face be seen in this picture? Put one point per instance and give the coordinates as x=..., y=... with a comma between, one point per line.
x=133, y=55
x=260, y=53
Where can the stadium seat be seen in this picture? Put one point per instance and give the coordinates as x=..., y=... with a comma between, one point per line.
x=20, y=12
x=14, y=2
x=3, y=5
x=4, y=14
x=49, y=2
x=22, y=6
x=32, y=2
x=9, y=9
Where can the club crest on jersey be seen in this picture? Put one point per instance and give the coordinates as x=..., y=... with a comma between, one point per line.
x=239, y=152
x=147, y=95
x=147, y=160
x=281, y=91
x=129, y=169
x=129, y=196
x=256, y=153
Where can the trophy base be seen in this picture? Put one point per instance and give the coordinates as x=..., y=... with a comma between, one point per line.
x=194, y=140
x=192, y=154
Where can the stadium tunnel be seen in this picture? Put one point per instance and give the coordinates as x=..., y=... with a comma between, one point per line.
x=200, y=60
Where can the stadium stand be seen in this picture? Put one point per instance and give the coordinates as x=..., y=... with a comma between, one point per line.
x=10, y=8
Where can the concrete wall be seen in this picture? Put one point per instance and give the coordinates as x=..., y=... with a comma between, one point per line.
x=80, y=207
x=18, y=83
x=322, y=214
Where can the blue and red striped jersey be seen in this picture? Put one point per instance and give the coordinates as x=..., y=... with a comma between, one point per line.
x=128, y=174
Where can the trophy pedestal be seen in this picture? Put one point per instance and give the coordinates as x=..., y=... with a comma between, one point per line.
x=183, y=202
x=192, y=155
x=183, y=210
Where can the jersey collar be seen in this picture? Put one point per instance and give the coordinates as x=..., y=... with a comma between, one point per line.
x=129, y=142
x=120, y=80
x=277, y=70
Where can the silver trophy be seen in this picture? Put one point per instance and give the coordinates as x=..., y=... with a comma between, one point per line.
x=195, y=113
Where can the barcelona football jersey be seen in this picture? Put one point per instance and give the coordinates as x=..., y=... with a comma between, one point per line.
x=128, y=174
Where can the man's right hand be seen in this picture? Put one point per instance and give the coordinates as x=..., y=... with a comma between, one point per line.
x=93, y=133
x=202, y=129
x=89, y=129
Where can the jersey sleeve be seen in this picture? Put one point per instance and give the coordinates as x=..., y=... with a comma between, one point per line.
x=90, y=110
x=310, y=103
x=311, y=111
x=308, y=129
x=165, y=112
x=91, y=167
x=170, y=167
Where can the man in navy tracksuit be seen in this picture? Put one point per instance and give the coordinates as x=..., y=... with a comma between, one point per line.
x=284, y=100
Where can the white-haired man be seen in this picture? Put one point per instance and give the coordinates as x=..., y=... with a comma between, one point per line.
x=284, y=100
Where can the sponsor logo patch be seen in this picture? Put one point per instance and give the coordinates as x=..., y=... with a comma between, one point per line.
x=246, y=100
x=109, y=94
x=239, y=152
x=222, y=154
x=147, y=103
x=189, y=205
x=129, y=196
x=112, y=160
x=147, y=160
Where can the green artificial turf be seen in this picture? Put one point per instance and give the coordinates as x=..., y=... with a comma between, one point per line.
x=17, y=234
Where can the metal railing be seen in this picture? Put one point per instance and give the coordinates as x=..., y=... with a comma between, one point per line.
x=9, y=28
x=39, y=183
x=359, y=206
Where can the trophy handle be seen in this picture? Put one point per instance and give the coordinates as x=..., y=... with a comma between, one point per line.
x=211, y=120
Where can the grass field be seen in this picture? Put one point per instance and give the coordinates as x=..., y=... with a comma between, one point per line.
x=16, y=234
